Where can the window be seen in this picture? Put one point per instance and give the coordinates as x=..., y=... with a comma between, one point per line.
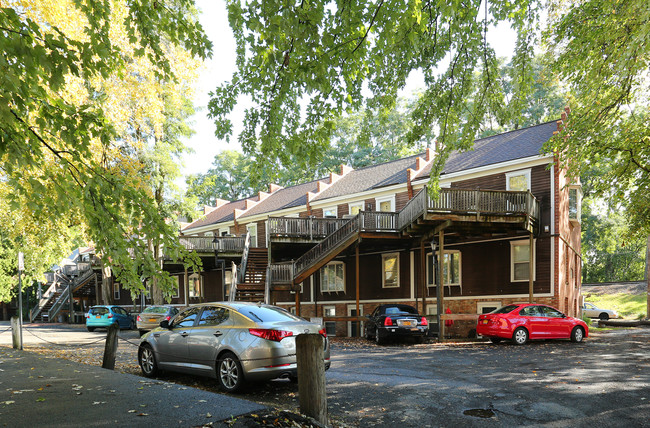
x=332, y=277
x=330, y=326
x=519, y=260
x=390, y=270
x=186, y=318
x=213, y=316
x=251, y=228
x=432, y=309
x=355, y=208
x=518, y=180
x=451, y=269
x=575, y=203
x=487, y=307
x=116, y=291
x=330, y=212
x=385, y=204
x=175, y=291
x=196, y=285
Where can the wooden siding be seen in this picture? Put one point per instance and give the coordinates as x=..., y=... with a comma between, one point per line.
x=401, y=199
x=261, y=234
x=342, y=210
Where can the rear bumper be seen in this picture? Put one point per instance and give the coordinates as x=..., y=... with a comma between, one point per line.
x=253, y=371
x=394, y=331
x=488, y=331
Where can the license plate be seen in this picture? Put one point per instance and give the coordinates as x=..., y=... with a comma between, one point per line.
x=407, y=323
x=152, y=320
x=484, y=321
x=98, y=316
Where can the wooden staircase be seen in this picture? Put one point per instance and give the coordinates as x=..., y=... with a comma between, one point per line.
x=251, y=288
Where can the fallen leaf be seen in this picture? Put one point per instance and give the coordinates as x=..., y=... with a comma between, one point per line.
x=40, y=399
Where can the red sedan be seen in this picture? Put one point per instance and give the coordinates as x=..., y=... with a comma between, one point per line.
x=524, y=321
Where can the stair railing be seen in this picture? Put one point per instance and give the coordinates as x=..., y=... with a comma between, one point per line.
x=58, y=305
x=244, y=258
x=45, y=298
x=267, y=286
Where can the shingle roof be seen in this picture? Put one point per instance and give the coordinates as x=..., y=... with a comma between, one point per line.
x=370, y=177
x=288, y=197
x=220, y=215
x=518, y=144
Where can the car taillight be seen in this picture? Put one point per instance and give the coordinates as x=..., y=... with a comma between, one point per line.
x=388, y=321
x=87, y=315
x=424, y=321
x=274, y=335
x=322, y=332
x=139, y=319
x=168, y=317
x=110, y=315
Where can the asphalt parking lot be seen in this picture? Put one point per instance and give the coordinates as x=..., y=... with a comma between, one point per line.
x=604, y=381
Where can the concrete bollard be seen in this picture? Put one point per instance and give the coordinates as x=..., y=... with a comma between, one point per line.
x=110, y=350
x=16, y=337
x=312, y=395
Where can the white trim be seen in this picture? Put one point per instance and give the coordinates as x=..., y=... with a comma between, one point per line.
x=525, y=172
x=460, y=268
x=383, y=271
x=482, y=171
x=189, y=281
x=432, y=307
x=350, y=308
x=412, y=260
x=522, y=242
x=390, y=199
x=325, y=308
x=116, y=290
x=524, y=297
x=252, y=229
x=553, y=238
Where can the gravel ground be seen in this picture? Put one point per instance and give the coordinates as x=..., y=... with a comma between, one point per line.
x=639, y=287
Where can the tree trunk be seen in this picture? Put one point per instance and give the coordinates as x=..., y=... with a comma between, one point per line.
x=156, y=292
x=647, y=278
x=107, y=285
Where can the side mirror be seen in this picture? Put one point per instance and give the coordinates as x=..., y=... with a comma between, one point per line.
x=164, y=324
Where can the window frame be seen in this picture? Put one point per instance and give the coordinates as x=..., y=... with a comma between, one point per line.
x=331, y=324
x=429, y=259
x=481, y=305
x=320, y=271
x=355, y=204
x=383, y=269
x=334, y=209
x=190, y=287
x=578, y=202
x=524, y=172
x=116, y=290
x=251, y=228
x=381, y=199
x=523, y=242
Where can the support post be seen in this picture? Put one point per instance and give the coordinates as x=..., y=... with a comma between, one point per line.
x=16, y=333
x=356, y=257
x=186, y=287
x=440, y=291
x=531, y=267
x=423, y=278
x=312, y=394
x=110, y=349
x=647, y=277
x=298, y=299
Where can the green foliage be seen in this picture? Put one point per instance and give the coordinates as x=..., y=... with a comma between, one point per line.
x=306, y=64
x=61, y=155
x=602, y=51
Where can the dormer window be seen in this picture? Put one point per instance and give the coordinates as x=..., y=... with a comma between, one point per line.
x=575, y=203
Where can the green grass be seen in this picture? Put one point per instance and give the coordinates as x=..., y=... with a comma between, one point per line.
x=630, y=306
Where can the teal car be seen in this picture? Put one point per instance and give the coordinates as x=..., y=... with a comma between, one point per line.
x=102, y=316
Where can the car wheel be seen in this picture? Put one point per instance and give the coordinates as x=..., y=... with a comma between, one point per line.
x=229, y=372
x=147, y=361
x=495, y=340
x=91, y=329
x=293, y=379
x=142, y=332
x=604, y=316
x=378, y=339
x=520, y=336
x=133, y=327
x=577, y=334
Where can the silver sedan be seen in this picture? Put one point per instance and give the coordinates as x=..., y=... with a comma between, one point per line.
x=229, y=341
x=151, y=317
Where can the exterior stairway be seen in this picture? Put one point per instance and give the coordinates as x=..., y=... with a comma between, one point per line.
x=251, y=287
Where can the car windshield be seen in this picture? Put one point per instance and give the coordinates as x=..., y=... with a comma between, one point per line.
x=505, y=310
x=98, y=311
x=267, y=314
x=155, y=310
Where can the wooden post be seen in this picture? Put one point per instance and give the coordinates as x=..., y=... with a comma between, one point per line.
x=16, y=337
x=186, y=287
x=298, y=299
x=110, y=349
x=312, y=394
x=647, y=277
x=440, y=291
x=356, y=256
x=531, y=267
x=423, y=278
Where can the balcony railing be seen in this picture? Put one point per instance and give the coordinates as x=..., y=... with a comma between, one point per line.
x=485, y=202
x=208, y=244
x=281, y=273
x=309, y=227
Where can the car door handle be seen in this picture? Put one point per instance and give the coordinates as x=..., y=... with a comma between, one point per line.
x=185, y=334
x=218, y=333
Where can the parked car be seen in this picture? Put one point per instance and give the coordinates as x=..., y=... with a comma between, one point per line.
x=230, y=341
x=102, y=316
x=521, y=322
x=592, y=311
x=396, y=321
x=151, y=317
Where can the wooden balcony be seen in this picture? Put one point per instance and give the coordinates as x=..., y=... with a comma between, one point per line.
x=307, y=229
x=209, y=244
